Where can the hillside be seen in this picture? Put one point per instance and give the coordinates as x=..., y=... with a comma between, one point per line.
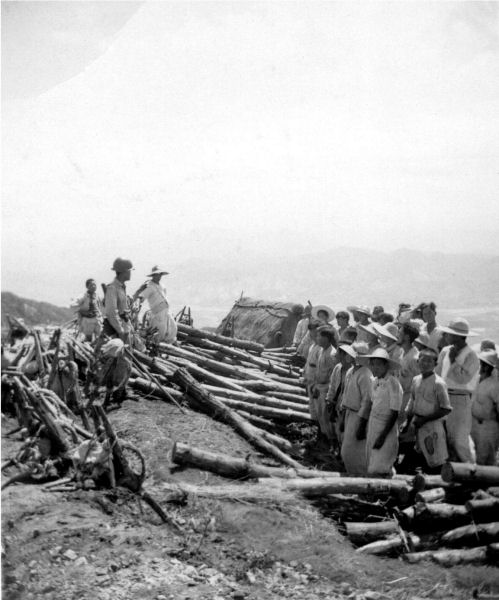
x=32, y=311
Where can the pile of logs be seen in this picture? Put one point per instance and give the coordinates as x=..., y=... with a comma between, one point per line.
x=450, y=519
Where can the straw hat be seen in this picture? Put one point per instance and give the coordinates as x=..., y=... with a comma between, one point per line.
x=423, y=339
x=361, y=309
x=489, y=357
x=348, y=350
x=370, y=329
x=329, y=311
x=362, y=351
x=460, y=327
x=157, y=271
x=390, y=330
x=382, y=353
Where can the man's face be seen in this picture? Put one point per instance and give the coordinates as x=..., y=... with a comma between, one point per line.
x=323, y=341
x=345, y=359
x=453, y=339
x=378, y=366
x=342, y=321
x=427, y=363
x=92, y=286
x=156, y=278
x=322, y=315
x=127, y=275
x=428, y=314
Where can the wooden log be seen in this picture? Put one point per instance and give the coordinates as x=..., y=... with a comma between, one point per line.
x=483, y=509
x=388, y=546
x=472, y=535
x=279, y=414
x=167, y=370
x=54, y=429
x=470, y=474
x=149, y=388
x=271, y=386
x=297, y=398
x=422, y=481
x=204, y=401
x=253, y=398
x=364, y=533
x=433, y=495
x=322, y=486
x=221, y=339
x=230, y=466
x=254, y=492
x=493, y=554
x=257, y=421
x=440, y=511
x=232, y=352
x=448, y=558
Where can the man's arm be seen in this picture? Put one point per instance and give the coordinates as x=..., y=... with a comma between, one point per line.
x=112, y=313
x=463, y=371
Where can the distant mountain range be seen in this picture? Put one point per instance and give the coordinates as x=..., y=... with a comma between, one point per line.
x=340, y=277
x=32, y=311
x=464, y=283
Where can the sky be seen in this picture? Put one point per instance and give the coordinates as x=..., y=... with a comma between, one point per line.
x=163, y=131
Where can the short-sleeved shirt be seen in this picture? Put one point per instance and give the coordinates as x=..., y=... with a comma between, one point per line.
x=311, y=364
x=427, y=395
x=485, y=400
x=358, y=390
x=409, y=368
x=386, y=396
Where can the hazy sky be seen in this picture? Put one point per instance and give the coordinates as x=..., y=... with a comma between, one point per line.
x=163, y=130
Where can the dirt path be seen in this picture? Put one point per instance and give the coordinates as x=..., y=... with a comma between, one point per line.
x=107, y=545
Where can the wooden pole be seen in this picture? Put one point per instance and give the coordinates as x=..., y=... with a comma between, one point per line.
x=472, y=535
x=204, y=401
x=221, y=339
x=364, y=533
x=449, y=558
x=470, y=473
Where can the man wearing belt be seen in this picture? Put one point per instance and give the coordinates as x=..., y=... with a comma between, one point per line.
x=459, y=367
x=116, y=309
x=155, y=294
x=88, y=308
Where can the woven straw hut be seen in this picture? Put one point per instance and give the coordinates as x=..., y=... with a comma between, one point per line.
x=272, y=324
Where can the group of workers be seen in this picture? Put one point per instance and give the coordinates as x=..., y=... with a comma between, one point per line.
x=111, y=317
x=391, y=386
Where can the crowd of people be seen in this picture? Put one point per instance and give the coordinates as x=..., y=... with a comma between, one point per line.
x=386, y=391
x=396, y=392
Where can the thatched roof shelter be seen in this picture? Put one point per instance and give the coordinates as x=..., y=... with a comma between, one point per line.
x=272, y=324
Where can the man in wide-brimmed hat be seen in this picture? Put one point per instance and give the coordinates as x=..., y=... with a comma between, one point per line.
x=485, y=410
x=325, y=365
x=155, y=294
x=382, y=428
x=116, y=309
x=361, y=315
x=459, y=367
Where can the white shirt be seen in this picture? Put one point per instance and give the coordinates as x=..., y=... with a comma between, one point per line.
x=155, y=294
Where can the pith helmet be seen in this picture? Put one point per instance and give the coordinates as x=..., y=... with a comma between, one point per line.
x=120, y=265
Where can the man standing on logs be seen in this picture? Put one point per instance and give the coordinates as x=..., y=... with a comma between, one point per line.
x=88, y=308
x=116, y=309
x=155, y=294
x=335, y=394
x=458, y=365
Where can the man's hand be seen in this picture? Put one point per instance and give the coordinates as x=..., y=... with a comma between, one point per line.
x=360, y=434
x=452, y=353
x=419, y=422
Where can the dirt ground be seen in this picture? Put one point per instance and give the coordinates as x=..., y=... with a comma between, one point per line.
x=109, y=545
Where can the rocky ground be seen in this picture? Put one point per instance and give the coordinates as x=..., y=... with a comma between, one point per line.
x=109, y=545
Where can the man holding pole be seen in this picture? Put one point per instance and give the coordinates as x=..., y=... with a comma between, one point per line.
x=116, y=309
